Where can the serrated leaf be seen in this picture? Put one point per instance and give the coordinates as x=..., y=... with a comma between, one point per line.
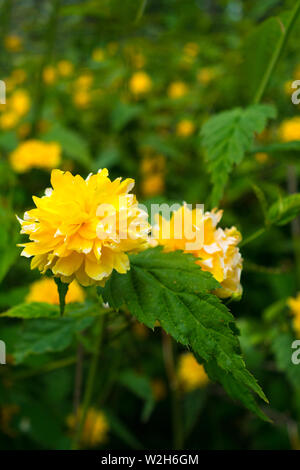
x=172, y=289
x=284, y=210
x=39, y=336
x=226, y=138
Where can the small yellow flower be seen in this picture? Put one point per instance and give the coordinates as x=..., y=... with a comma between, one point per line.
x=185, y=128
x=153, y=185
x=261, y=157
x=294, y=305
x=95, y=428
x=153, y=164
x=45, y=290
x=140, y=83
x=191, y=49
x=65, y=68
x=13, y=43
x=82, y=98
x=84, y=229
x=84, y=81
x=19, y=102
x=191, y=374
x=217, y=250
x=205, y=75
x=49, y=74
x=98, y=55
x=290, y=129
x=177, y=90
x=8, y=120
x=35, y=154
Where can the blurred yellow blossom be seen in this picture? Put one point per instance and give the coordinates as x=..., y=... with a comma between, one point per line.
x=191, y=374
x=140, y=83
x=8, y=120
x=98, y=55
x=261, y=157
x=19, y=102
x=191, y=49
x=185, y=128
x=35, y=154
x=49, y=74
x=294, y=305
x=45, y=290
x=13, y=43
x=85, y=228
x=153, y=185
x=177, y=90
x=205, y=75
x=19, y=76
x=95, y=428
x=65, y=68
x=82, y=98
x=290, y=129
x=84, y=81
x=217, y=253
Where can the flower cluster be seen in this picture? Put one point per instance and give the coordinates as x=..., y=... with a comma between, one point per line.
x=35, y=154
x=217, y=252
x=85, y=228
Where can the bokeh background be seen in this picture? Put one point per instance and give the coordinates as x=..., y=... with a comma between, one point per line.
x=127, y=85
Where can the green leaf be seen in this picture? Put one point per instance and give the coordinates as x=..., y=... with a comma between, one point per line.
x=72, y=144
x=226, y=138
x=172, y=289
x=40, y=336
x=123, y=114
x=29, y=310
x=141, y=387
x=284, y=210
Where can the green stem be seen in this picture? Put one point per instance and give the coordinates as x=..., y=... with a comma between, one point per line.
x=277, y=53
x=140, y=11
x=254, y=236
x=90, y=383
x=178, y=437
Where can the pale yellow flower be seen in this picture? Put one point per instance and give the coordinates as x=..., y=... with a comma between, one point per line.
x=65, y=68
x=45, y=290
x=49, y=74
x=35, y=154
x=185, y=128
x=177, y=90
x=290, y=129
x=140, y=83
x=13, y=43
x=217, y=250
x=98, y=55
x=191, y=374
x=95, y=428
x=294, y=305
x=85, y=229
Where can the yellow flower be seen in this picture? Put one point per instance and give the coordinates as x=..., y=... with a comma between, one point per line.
x=177, y=90
x=45, y=290
x=191, y=374
x=35, y=154
x=84, y=229
x=205, y=75
x=82, y=98
x=153, y=185
x=65, y=68
x=13, y=43
x=185, y=128
x=153, y=164
x=49, y=74
x=261, y=157
x=217, y=248
x=8, y=120
x=19, y=102
x=98, y=55
x=294, y=305
x=95, y=428
x=191, y=49
x=290, y=129
x=140, y=83
x=84, y=81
